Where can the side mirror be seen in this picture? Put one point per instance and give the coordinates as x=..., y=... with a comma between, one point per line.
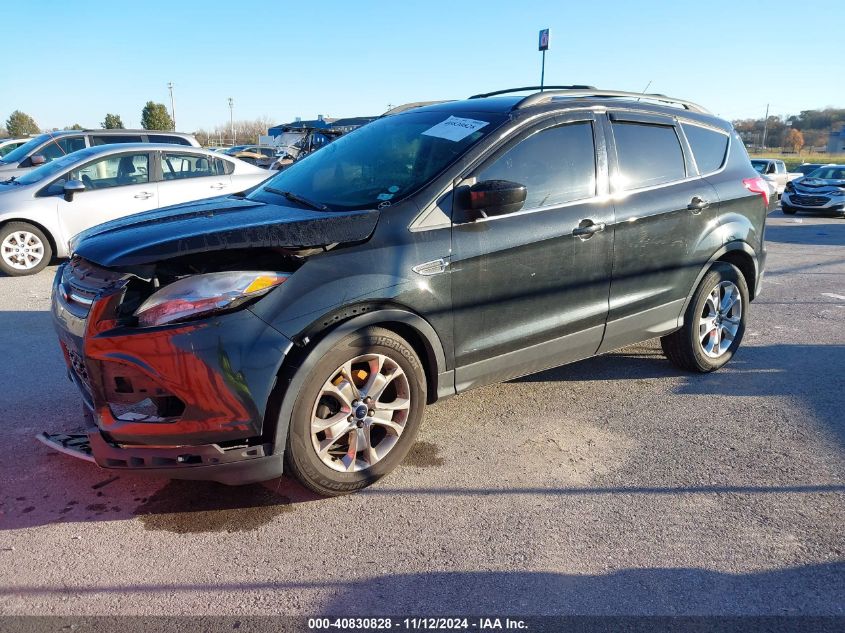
x=496, y=197
x=71, y=187
x=37, y=159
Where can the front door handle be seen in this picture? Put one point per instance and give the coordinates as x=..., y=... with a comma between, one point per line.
x=587, y=229
x=698, y=204
x=219, y=185
x=144, y=195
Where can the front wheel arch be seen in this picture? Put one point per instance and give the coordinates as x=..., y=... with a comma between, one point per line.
x=40, y=227
x=409, y=325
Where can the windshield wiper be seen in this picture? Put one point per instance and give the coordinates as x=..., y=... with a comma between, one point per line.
x=11, y=181
x=294, y=197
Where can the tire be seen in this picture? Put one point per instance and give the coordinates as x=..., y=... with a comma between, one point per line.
x=17, y=236
x=787, y=210
x=697, y=346
x=327, y=395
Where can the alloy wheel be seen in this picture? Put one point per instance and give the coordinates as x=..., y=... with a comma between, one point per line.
x=360, y=413
x=720, y=319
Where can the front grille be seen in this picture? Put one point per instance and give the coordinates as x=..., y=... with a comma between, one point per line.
x=82, y=282
x=810, y=201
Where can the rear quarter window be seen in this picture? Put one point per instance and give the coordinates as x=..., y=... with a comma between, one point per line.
x=709, y=147
x=648, y=154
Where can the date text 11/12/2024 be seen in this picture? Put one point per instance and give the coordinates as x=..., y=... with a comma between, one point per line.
x=414, y=624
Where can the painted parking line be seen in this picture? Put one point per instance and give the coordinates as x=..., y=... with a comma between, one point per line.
x=833, y=296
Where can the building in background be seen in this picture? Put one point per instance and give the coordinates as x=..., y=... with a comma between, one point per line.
x=836, y=142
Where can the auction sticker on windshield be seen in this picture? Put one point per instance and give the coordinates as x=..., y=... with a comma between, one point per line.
x=455, y=128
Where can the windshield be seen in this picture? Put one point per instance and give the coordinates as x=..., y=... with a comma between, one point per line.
x=381, y=162
x=806, y=169
x=760, y=166
x=17, y=155
x=54, y=167
x=828, y=173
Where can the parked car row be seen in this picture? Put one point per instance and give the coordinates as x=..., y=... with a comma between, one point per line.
x=292, y=145
x=46, y=147
x=43, y=207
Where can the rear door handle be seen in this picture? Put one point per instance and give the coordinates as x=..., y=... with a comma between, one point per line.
x=698, y=204
x=144, y=195
x=587, y=229
x=219, y=185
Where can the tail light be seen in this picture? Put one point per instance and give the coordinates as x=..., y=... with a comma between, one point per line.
x=757, y=185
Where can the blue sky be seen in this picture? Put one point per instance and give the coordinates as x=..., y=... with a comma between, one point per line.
x=71, y=62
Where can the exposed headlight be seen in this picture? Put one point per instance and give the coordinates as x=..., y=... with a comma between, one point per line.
x=200, y=295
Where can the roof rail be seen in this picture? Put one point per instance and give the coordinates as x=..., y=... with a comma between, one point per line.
x=544, y=97
x=541, y=88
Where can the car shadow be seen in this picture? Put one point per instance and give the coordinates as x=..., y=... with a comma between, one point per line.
x=806, y=597
x=811, y=373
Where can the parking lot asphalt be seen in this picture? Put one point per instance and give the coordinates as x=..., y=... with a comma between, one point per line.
x=617, y=485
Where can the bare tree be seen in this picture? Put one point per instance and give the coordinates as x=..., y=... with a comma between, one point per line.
x=246, y=132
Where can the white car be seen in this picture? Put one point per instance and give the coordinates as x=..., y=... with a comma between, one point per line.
x=41, y=210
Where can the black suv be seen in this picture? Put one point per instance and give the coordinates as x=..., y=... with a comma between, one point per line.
x=303, y=326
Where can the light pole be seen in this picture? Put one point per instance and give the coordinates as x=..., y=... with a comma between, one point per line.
x=232, y=119
x=765, y=127
x=172, y=107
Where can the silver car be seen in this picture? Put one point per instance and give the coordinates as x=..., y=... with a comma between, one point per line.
x=820, y=190
x=41, y=210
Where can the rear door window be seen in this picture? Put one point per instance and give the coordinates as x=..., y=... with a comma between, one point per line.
x=178, y=166
x=648, y=154
x=709, y=147
x=557, y=165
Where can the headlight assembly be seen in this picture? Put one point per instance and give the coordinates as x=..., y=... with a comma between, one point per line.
x=201, y=295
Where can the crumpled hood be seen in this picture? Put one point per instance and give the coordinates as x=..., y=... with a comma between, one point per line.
x=814, y=184
x=217, y=224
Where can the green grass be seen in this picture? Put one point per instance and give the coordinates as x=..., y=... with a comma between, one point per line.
x=793, y=160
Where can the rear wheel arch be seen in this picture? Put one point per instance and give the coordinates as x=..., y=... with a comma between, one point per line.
x=738, y=253
x=746, y=264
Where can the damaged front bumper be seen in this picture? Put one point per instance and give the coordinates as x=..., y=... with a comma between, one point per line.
x=184, y=401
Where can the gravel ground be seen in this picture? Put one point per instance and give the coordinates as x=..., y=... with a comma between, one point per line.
x=616, y=485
